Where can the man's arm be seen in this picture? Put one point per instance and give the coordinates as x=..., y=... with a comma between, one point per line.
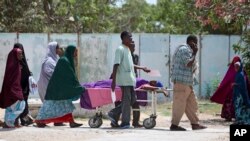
x=114, y=76
x=142, y=68
x=191, y=60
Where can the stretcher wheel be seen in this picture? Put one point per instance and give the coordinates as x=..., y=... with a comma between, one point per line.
x=149, y=123
x=95, y=122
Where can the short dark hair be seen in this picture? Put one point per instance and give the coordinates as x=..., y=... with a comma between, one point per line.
x=191, y=38
x=124, y=34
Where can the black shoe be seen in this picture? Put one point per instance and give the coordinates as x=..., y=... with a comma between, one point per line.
x=125, y=126
x=27, y=123
x=74, y=125
x=40, y=125
x=228, y=120
x=59, y=124
x=27, y=120
x=114, y=123
x=176, y=128
x=137, y=125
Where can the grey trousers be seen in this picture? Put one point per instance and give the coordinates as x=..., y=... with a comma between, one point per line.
x=128, y=99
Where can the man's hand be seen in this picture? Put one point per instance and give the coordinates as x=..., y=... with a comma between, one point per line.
x=146, y=69
x=194, y=47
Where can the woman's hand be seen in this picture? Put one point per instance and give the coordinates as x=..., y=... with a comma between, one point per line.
x=233, y=84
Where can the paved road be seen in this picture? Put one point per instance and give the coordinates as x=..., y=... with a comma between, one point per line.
x=105, y=133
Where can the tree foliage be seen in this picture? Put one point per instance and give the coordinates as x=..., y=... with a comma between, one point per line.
x=177, y=17
x=112, y=16
x=223, y=16
x=98, y=16
x=228, y=17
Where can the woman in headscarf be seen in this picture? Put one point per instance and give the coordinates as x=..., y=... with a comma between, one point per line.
x=224, y=93
x=63, y=88
x=240, y=96
x=47, y=69
x=11, y=96
x=25, y=118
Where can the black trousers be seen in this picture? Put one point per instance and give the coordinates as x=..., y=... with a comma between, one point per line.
x=136, y=112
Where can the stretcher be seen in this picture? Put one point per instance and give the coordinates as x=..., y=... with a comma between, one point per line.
x=97, y=96
x=150, y=122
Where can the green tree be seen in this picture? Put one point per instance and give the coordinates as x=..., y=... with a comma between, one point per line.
x=228, y=17
x=21, y=16
x=177, y=17
x=223, y=16
x=78, y=15
x=133, y=15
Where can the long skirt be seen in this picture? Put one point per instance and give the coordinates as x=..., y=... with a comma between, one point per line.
x=242, y=112
x=12, y=112
x=227, y=111
x=56, y=111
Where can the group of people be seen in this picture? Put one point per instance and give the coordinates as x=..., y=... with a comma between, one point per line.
x=183, y=68
x=233, y=93
x=58, y=86
x=15, y=89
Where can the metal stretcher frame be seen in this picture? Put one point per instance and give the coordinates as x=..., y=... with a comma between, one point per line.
x=91, y=101
x=148, y=123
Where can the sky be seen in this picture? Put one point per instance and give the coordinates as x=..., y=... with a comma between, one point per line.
x=151, y=1
x=148, y=1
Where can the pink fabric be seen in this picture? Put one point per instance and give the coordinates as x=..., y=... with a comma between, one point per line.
x=102, y=96
x=225, y=88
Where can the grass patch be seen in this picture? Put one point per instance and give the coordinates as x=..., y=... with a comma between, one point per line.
x=205, y=106
x=209, y=108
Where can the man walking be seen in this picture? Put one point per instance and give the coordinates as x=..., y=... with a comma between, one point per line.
x=182, y=75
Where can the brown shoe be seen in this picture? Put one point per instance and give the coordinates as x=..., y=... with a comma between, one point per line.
x=6, y=126
x=198, y=127
x=176, y=128
x=138, y=125
x=74, y=125
x=1, y=123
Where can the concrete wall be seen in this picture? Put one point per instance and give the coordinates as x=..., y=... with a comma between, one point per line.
x=96, y=54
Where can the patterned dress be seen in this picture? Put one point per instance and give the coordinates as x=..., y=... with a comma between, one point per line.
x=241, y=99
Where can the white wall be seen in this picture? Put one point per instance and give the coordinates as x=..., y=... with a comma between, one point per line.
x=96, y=53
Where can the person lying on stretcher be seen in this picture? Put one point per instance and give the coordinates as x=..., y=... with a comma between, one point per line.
x=153, y=85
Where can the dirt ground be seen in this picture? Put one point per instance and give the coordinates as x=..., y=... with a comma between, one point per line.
x=218, y=130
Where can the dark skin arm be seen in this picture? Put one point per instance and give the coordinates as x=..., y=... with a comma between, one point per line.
x=142, y=68
x=114, y=76
x=115, y=71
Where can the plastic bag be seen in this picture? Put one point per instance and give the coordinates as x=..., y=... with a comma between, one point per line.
x=33, y=86
x=113, y=96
